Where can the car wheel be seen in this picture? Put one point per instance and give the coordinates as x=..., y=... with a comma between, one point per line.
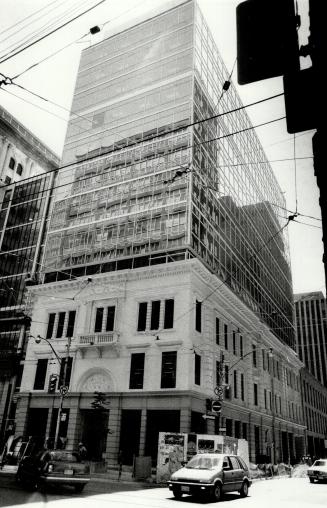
x=79, y=488
x=216, y=492
x=311, y=480
x=244, y=489
x=177, y=494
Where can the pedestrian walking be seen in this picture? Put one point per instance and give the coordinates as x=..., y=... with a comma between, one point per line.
x=82, y=451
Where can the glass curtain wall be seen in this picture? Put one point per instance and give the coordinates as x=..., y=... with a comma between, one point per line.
x=142, y=179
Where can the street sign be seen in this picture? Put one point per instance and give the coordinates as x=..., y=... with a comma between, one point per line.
x=222, y=429
x=216, y=406
x=219, y=390
x=63, y=390
x=208, y=417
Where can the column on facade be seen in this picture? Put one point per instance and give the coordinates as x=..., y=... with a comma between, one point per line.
x=3, y=155
x=113, y=436
x=74, y=423
x=143, y=432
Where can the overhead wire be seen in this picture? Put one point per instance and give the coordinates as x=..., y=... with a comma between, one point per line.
x=31, y=36
x=51, y=32
x=15, y=25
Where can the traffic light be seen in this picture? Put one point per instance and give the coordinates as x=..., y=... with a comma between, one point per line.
x=302, y=100
x=227, y=392
x=52, y=383
x=267, y=40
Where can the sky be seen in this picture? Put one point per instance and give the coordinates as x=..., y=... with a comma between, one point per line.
x=54, y=80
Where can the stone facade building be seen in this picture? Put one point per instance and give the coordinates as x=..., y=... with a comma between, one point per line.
x=166, y=271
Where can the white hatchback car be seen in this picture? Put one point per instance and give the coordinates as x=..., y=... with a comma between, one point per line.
x=211, y=474
x=318, y=470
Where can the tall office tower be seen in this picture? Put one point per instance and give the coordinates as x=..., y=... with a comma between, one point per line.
x=150, y=176
x=166, y=262
x=311, y=333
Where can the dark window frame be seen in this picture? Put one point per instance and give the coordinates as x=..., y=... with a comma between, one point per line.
x=136, y=377
x=168, y=369
x=40, y=374
x=197, y=369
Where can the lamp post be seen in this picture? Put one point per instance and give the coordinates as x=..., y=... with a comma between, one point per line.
x=62, y=388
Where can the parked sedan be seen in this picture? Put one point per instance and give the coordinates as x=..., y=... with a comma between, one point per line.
x=53, y=467
x=211, y=474
x=318, y=470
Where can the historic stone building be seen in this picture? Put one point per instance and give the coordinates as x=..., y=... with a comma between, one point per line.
x=165, y=271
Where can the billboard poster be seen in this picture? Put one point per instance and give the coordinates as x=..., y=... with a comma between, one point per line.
x=172, y=448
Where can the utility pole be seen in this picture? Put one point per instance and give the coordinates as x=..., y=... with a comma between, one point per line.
x=63, y=392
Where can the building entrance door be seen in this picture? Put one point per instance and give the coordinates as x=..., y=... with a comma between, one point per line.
x=94, y=431
x=130, y=434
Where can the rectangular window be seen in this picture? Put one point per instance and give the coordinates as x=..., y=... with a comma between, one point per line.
x=71, y=323
x=265, y=397
x=229, y=427
x=217, y=330
x=254, y=355
x=65, y=371
x=141, y=324
x=98, y=319
x=270, y=401
x=234, y=343
x=155, y=315
x=263, y=359
x=168, y=369
x=235, y=384
x=110, y=324
x=237, y=432
x=242, y=386
x=198, y=316
x=241, y=346
x=51, y=321
x=255, y=394
x=137, y=371
x=197, y=369
x=226, y=375
x=40, y=374
x=244, y=430
x=60, y=326
x=226, y=336
x=169, y=314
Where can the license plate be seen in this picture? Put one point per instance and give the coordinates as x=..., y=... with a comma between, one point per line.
x=185, y=488
x=69, y=471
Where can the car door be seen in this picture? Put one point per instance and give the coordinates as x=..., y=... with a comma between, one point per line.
x=228, y=479
x=237, y=473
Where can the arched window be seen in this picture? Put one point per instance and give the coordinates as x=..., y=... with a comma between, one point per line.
x=19, y=169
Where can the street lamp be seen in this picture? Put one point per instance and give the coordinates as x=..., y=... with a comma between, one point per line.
x=62, y=388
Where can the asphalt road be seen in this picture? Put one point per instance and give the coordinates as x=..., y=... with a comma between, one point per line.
x=279, y=493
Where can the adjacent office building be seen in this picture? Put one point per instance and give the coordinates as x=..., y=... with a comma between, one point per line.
x=26, y=176
x=165, y=260
x=311, y=347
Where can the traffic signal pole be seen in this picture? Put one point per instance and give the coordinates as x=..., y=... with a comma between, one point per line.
x=63, y=392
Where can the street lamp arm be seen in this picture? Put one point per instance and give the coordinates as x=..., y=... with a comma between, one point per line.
x=38, y=340
x=238, y=361
x=247, y=354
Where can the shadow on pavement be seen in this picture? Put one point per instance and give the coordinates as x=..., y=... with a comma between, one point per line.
x=12, y=493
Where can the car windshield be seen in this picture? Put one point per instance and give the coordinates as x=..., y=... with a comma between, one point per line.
x=199, y=462
x=320, y=463
x=60, y=456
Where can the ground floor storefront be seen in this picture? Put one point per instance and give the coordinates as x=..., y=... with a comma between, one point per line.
x=130, y=424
